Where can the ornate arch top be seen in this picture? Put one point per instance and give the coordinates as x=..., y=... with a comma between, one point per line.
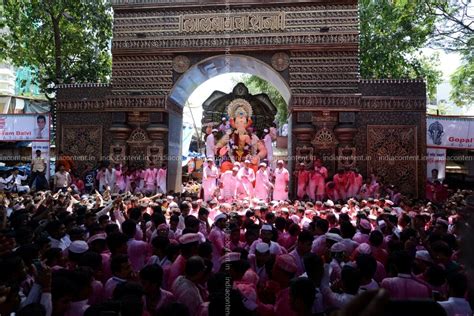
x=222, y=64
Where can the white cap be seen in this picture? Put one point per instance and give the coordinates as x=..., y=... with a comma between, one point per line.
x=78, y=246
x=280, y=161
x=247, y=161
x=189, y=238
x=262, y=247
x=267, y=227
x=235, y=169
x=329, y=203
x=210, y=159
x=101, y=236
x=214, y=130
x=262, y=164
x=333, y=237
x=424, y=255
x=364, y=249
x=220, y=216
x=265, y=130
x=224, y=119
x=338, y=247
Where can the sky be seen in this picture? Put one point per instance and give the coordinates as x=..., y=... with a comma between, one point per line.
x=225, y=83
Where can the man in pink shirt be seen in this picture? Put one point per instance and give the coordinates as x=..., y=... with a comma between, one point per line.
x=404, y=286
x=138, y=251
x=283, y=271
x=150, y=178
x=228, y=182
x=217, y=238
x=262, y=183
x=246, y=176
x=305, y=241
x=303, y=181
x=189, y=247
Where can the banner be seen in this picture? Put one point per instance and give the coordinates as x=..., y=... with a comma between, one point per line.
x=436, y=159
x=44, y=148
x=448, y=132
x=24, y=127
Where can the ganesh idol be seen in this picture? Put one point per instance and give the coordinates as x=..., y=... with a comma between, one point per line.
x=238, y=144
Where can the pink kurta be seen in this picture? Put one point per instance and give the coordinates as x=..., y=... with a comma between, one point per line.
x=303, y=179
x=150, y=179
x=217, y=239
x=340, y=183
x=282, y=177
x=97, y=295
x=138, y=252
x=405, y=287
x=300, y=269
x=262, y=185
x=282, y=304
x=229, y=185
x=209, y=182
x=176, y=269
x=246, y=177
x=161, y=180
x=321, y=173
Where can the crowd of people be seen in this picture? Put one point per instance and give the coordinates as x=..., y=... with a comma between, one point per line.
x=237, y=246
x=106, y=175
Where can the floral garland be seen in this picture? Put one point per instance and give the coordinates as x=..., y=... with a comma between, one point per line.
x=233, y=147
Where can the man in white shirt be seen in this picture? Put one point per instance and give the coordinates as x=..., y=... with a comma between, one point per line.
x=38, y=169
x=13, y=182
x=41, y=132
x=110, y=177
x=457, y=305
x=350, y=285
x=186, y=287
x=211, y=144
x=62, y=178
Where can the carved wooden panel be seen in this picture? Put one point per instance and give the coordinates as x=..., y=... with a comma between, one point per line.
x=83, y=142
x=346, y=157
x=150, y=74
x=393, y=104
x=251, y=27
x=393, y=155
x=324, y=138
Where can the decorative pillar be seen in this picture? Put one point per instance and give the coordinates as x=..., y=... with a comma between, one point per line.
x=345, y=132
x=120, y=132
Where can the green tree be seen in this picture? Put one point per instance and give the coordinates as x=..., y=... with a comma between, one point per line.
x=258, y=85
x=462, y=82
x=392, y=34
x=65, y=41
x=455, y=33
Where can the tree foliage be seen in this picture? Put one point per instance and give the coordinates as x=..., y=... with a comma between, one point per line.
x=258, y=85
x=455, y=33
x=392, y=34
x=65, y=41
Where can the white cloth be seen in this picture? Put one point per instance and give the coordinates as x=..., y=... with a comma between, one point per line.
x=161, y=180
x=110, y=178
x=229, y=185
x=282, y=176
x=267, y=140
x=456, y=306
x=187, y=293
x=210, y=176
x=262, y=185
x=246, y=177
x=210, y=146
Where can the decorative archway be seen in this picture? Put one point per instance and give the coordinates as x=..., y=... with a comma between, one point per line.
x=200, y=73
x=309, y=50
